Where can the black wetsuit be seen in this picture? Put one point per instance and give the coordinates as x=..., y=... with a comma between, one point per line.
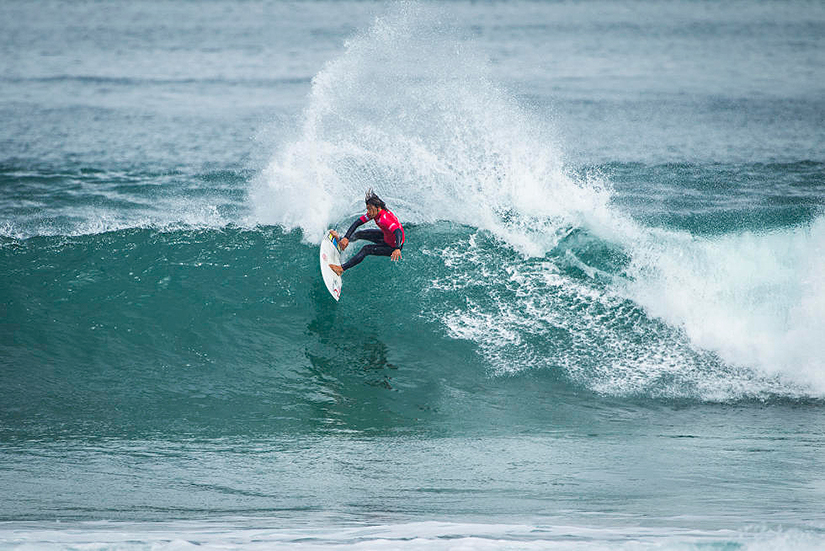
x=380, y=247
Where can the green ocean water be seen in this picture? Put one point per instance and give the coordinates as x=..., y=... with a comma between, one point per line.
x=605, y=331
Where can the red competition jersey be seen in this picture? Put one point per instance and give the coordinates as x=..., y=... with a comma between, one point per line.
x=388, y=223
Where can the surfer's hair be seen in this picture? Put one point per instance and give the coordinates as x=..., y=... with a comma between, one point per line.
x=372, y=199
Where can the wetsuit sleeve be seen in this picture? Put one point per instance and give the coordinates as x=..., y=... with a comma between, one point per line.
x=398, y=238
x=360, y=221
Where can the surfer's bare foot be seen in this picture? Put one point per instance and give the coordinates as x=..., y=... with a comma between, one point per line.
x=337, y=269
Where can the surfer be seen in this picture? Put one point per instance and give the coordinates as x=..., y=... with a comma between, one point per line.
x=387, y=241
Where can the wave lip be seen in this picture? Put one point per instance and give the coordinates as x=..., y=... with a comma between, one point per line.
x=755, y=299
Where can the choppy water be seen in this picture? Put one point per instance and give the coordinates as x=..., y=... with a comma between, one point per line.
x=606, y=331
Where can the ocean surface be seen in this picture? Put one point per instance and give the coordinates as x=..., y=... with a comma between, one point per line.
x=607, y=330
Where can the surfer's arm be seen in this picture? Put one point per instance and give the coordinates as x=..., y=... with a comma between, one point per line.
x=344, y=241
x=355, y=225
x=399, y=241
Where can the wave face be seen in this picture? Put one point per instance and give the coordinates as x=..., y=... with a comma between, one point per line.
x=196, y=328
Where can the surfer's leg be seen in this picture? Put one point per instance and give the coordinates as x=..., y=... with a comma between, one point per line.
x=376, y=236
x=366, y=250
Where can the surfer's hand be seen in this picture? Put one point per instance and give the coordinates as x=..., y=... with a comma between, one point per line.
x=396, y=255
x=343, y=242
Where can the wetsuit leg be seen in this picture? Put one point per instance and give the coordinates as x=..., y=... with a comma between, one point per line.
x=379, y=249
x=376, y=236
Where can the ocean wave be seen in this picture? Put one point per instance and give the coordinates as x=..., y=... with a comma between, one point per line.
x=536, y=267
x=210, y=329
x=620, y=307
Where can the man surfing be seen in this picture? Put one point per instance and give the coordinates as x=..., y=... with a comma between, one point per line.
x=387, y=241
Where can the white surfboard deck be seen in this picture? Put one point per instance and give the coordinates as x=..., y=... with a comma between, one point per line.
x=331, y=254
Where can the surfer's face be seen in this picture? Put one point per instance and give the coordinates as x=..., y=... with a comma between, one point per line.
x=372, y=211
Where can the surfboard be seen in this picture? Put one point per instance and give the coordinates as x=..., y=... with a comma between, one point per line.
x=331, y=254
